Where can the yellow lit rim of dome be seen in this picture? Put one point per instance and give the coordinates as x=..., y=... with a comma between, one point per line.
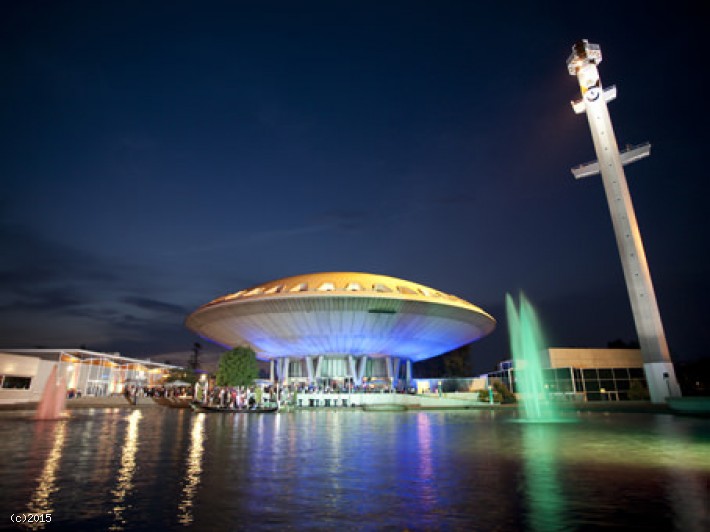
x=352, y=284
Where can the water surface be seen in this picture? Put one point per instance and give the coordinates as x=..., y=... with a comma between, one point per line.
x=351, y=470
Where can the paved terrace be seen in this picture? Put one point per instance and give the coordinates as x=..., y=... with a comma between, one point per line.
x=411, y=402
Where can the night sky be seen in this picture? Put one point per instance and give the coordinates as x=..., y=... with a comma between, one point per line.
x=156, y=155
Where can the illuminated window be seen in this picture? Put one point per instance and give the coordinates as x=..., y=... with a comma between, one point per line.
x=353, y=287
x=255, y=291
x=327, y=287
x=425, y=292
x=301, y=287
x=381, y=288
x=405, y=290
x=275, y=289
x=233, y=296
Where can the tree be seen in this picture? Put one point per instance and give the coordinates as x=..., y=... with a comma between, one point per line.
x=237, y=367
x=456, y=363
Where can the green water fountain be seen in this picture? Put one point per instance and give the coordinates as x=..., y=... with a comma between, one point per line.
x=527, y=347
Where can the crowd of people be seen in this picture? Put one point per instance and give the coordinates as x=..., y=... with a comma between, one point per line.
x=246, y=397
x=238, y=396
x=258, y=396
x=132, y=392
x=171, y=391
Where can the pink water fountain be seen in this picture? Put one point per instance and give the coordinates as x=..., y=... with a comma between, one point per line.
x=51, y=406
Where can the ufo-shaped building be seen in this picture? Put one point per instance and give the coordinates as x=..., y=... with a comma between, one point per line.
x=341, y=326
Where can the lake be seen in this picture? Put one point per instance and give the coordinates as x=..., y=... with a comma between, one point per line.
x=346, y=469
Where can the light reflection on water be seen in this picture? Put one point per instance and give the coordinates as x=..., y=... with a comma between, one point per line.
x=424, y=481
x=193, y=470
x=41, y=501
x=124, y=477
x=547, y=511
x=164, y=468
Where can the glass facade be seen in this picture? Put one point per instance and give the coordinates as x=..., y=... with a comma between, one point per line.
x=595, y=384
x=296, y=370
x=376, y=367
x=336, y=368
x=90, y=373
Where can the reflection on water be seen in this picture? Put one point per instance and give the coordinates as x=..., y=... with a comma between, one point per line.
x=689, y=494
x=192, y=470
x=546, y=503
x=688, y=489
x=41, y=501
x=124, y=477
x=425, y=463
x=352, y=470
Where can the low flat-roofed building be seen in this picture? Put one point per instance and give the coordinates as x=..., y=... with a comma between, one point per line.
x=588, y=374
x=24, y=372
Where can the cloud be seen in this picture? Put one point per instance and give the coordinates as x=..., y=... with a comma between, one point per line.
x=344, y=219
x=31, y=260
x=155, y=305
x=325, y=222
x=208, y=359
x=33, y=299
x=52, y=293
x=42, y=277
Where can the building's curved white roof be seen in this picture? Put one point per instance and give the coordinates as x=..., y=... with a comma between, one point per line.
x=342, y=313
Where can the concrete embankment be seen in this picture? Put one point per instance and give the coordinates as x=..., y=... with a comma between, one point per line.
x=88, y=402
x=409, y=402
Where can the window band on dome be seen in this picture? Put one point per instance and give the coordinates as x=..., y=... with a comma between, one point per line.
x=275, y=289
x=300, y=287
x=379, y=287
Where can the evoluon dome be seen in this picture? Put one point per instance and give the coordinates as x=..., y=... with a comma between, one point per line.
x=341, y=324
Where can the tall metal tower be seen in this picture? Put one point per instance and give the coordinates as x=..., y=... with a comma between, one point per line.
x=610, y=163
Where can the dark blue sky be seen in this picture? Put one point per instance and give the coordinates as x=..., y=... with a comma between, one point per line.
x=155, y=155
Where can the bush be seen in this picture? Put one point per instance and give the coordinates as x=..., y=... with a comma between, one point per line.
x=638, y=392
x=498, y=397
x=506, y=396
